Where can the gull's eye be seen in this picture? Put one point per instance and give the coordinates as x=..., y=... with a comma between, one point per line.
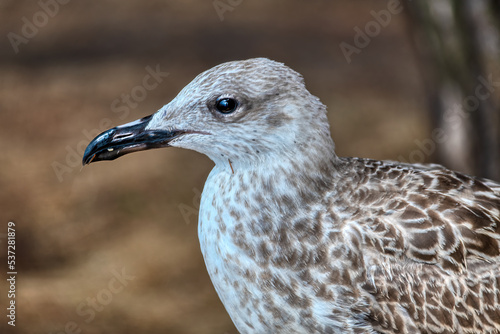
x=226, y=105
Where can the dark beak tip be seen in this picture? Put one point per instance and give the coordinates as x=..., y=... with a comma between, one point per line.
x=88, y=155
x=87, y=159
x=97, y=146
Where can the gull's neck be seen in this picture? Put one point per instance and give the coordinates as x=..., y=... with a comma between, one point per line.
x=306, y=157
x=276, y=185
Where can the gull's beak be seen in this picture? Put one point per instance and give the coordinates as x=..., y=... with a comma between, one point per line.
x=127, y=138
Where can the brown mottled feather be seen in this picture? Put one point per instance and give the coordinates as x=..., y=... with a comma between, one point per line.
x=443, y=217
x=438, y=234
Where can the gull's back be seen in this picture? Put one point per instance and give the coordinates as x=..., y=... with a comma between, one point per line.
x=424, y=244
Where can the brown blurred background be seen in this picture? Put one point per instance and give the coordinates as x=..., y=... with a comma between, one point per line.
x=112, y=247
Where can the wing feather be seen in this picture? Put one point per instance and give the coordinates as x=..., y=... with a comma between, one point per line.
x=431, y=241
x=429, y=214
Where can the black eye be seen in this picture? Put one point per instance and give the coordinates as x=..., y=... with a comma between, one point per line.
x=226, y=105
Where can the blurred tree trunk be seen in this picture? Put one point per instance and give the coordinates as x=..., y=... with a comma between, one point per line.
x=458, y=41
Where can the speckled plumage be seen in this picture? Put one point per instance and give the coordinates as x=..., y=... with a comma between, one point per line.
x=298, y=240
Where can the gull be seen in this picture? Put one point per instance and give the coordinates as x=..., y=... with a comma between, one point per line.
x=298, y=240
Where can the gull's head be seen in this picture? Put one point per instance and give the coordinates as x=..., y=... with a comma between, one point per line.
x=244, y=111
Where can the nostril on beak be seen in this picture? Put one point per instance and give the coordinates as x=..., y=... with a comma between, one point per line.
x=123, y=135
